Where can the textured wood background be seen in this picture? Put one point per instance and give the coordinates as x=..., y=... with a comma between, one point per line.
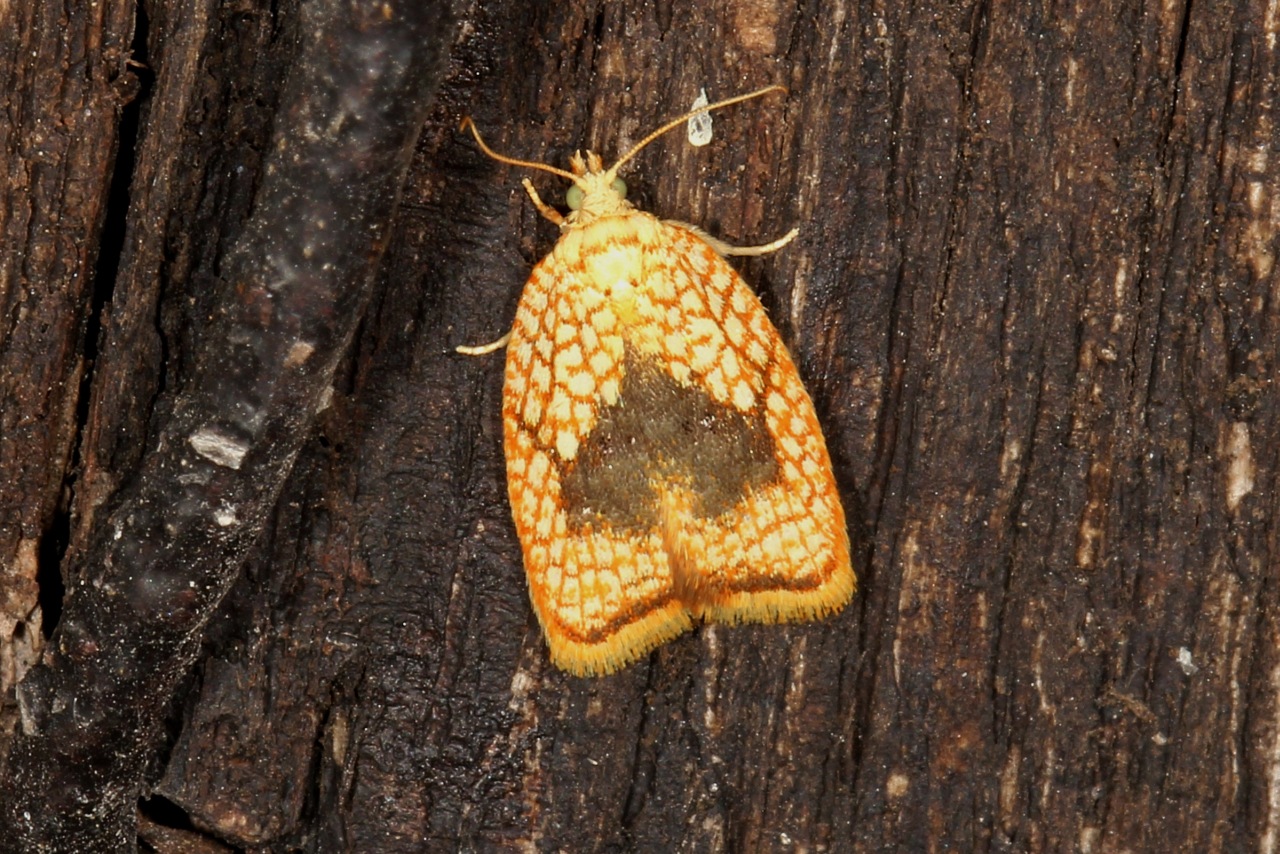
x=1033, y=298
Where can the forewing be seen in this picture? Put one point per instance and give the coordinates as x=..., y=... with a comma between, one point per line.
x=602, y=596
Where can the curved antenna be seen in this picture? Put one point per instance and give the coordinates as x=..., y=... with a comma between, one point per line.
x=467, y=124
x=676, y=122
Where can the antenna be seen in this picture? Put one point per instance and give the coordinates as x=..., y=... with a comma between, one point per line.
x=612, y=172
x=467, y=124
x=727, y=102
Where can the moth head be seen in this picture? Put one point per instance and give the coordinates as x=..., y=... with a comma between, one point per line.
x=574, y=196
x=598, y=191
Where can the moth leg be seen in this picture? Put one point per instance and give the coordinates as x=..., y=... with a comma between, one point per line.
x=723, y=248
x=483, y=349
x=543, y=208
x=551, y=214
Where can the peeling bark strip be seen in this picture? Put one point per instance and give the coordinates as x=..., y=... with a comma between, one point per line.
x=296, y=284
x=59, y=132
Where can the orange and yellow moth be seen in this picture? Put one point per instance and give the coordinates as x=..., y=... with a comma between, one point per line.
x=664, y=462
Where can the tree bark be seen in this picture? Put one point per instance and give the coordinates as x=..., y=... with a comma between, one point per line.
x=162, y=550
x=1033, y=298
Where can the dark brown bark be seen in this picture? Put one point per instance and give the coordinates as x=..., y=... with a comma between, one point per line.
x=64, y=81
x=1033, y=298
x=260, y=358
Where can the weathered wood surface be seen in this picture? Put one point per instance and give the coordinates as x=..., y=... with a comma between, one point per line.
x=252, y=346
x=1034, y=300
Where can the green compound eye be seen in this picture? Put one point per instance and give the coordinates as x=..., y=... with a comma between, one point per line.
x=619, y=186
x=573, y=197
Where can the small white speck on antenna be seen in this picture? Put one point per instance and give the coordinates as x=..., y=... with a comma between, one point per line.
x=700, y=125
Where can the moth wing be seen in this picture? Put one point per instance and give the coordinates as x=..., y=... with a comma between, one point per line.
x=603, y=598
x=781, y=552
x=664, y=462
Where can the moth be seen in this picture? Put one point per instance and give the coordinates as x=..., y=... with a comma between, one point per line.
x=665, y=465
